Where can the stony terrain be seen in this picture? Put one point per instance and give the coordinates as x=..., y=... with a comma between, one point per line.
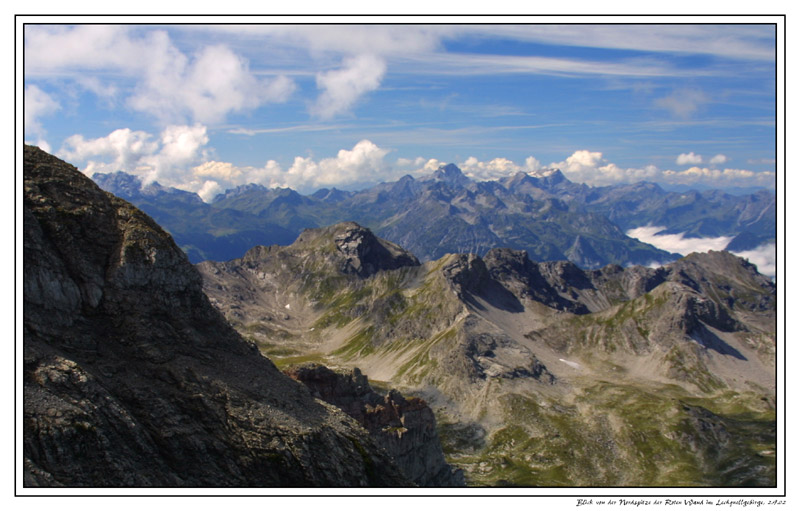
x=406, y=428
x=132, y=378
x=536, y=370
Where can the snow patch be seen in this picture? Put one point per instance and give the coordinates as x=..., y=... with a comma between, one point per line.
x=574, y=365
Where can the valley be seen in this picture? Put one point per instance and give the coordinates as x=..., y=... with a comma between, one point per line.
x=541, y=374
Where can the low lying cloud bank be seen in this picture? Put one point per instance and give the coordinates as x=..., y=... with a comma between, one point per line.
x=764, y=256
x=677, y=243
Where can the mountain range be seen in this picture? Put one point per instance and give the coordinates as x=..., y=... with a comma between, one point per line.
x=540, y=373
x=544, y=214
x=345, y=359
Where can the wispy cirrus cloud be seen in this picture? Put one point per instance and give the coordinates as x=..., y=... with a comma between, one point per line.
x=683, y=103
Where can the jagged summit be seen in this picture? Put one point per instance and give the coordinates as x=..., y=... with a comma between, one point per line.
x=359, y=250
x=240, y=190
x=451, y=174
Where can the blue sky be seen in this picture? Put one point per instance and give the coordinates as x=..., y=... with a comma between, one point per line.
x=205, y=108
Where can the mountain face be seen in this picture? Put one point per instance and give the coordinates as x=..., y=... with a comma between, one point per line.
x=132, y=378
x=443, y=213
x=540, y=373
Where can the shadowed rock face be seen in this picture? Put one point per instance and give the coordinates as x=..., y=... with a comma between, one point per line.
x=366, y=255
x=132, y=378
x=405, y=427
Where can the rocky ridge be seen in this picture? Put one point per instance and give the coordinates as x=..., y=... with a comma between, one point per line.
x=132, y=378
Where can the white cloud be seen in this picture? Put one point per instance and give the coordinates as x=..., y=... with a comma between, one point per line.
x=484, y=171
x=127, y=150
x=532, y=164
x=719, y=178
x=179, y=158
x=341, y=88
x=689, y=159
x=406, y=162
x=683, y=103
x=764, y=257
x=215, y=83
x=677, y=242
x=363, y=164
x=37, y=104
x=165, y=159
x=718, y=159
x=590, y=167
x=162, y=81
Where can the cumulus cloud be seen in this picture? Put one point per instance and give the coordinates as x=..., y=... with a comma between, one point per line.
x=497, y=168
x=164, y=159
x=364, y=163
x=341, y=88
x=590, y=167
x=494, y=169
x=683, y=103
x=38, y=103
x=179, y=158
x=720, y=178
x=689, y=159
x=175, y=87
x=718, y=159
x=122, y=149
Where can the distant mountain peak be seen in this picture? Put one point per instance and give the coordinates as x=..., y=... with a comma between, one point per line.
x=546, y=173
x=450, y=173
x=239, y=190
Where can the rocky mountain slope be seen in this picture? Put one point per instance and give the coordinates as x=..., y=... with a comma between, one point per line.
x=540, y=373
x=132, y=378
x=406, y=428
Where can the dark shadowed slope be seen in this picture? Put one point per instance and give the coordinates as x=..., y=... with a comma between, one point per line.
x=131, y=377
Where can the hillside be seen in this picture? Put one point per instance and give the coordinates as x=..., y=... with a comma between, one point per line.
x=536, y=369
x=131, y=378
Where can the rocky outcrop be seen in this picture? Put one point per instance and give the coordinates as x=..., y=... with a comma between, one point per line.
x=365, y=255
x=132, y=378
x=405, y=427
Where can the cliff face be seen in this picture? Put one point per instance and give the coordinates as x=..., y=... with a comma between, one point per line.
x=405, y=427
x=132, y=378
